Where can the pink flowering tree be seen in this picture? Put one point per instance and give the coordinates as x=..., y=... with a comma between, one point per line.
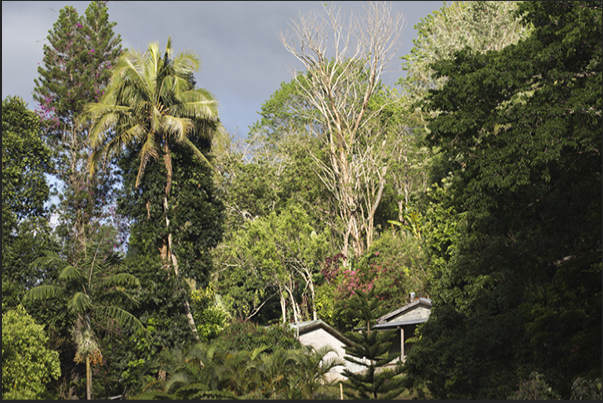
x=394, y=266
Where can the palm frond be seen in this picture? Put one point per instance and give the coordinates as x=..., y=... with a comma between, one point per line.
x=122, y=317
x=186, y=62
x=198, y=104
x=119, y=296
x=257, y=351
x=198, y=154
x=80, y=302
x=177, y=127
x=175, y=380
x=123, y=279
x=42, y=292
x=152, y=395
x=70, y=273
x=149, y=150
x=51, y=258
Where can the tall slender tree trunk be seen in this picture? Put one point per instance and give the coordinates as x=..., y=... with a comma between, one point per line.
x=283, y=303
x=88, y=379
x=167, y=251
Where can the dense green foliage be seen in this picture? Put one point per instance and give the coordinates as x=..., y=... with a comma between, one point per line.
x=522, y=290
x=217, y=371
x=27, y=363
x=478, y=185
x=25, y=160
x=25, y=230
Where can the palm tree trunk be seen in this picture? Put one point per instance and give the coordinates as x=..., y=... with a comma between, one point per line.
x=88, y=379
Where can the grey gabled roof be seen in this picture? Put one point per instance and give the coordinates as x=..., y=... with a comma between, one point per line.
x=419, y=301
x=309, y=325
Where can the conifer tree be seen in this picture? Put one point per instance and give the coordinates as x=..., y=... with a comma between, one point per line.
x=371, y=350
x=76, y=67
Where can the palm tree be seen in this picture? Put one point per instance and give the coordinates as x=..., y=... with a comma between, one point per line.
x=151, y=102
x=91, y=291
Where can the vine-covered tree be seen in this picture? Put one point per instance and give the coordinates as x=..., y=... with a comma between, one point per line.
x=152, y=107
x=76, y=68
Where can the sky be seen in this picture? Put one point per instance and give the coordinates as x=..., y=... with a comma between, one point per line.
x=243, y=61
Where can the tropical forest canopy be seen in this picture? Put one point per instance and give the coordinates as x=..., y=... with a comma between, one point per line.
x=180, y=255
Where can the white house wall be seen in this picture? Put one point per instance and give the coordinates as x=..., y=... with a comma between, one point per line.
x=318, y=338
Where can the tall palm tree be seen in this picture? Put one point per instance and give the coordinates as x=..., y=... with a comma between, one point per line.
x=90, y=291
x=151, y=101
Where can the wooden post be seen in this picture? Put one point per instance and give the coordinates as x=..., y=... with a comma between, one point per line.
x=401, y=343
x=340, y=391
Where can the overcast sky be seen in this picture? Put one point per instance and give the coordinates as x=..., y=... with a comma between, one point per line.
x=242, y=59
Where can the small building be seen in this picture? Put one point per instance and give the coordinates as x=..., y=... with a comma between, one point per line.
x=405, y=320
x=317, y=333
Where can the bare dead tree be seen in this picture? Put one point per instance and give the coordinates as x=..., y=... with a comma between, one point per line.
x=344, y=64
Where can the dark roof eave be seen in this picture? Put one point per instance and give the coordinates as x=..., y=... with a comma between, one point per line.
x=395, y=325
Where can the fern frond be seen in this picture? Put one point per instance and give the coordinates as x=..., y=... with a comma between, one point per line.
x=215, y=395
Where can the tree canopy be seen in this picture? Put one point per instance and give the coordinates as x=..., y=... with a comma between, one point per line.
x=522, y=290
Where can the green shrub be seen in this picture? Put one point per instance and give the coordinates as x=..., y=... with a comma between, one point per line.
x=535, y=388
x=584, y=389
x=248, y=336
x=27, y=365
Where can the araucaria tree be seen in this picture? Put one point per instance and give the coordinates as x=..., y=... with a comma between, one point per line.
x=341, y=89
x=151, y=103
x=371, y=350
x=76, y=68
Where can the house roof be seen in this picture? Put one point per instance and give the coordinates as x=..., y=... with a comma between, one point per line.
x=394, y=325
x=310, y=325
x=420, y=301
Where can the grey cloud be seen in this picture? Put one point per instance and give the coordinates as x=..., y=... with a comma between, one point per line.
x=242, y=59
